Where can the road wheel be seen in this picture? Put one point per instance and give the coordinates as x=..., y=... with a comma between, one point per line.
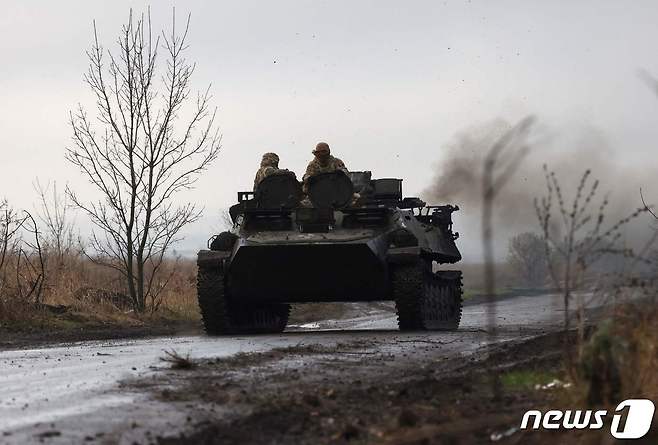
x=443, y=308
x=408, y=288
x=211, y=291
x=220, y=316
x=424, y=300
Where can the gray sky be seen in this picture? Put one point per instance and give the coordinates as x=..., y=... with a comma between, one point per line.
x=386, y=83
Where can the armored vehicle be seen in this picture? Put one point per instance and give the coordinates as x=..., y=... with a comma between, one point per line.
x=350, y=238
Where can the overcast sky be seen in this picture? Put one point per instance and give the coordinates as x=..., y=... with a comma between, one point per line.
x=386, y=83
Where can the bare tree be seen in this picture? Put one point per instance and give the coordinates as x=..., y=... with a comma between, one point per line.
x=22, y=269
x=576, y=237
x=11, y=224
x=58, y=231
x=31, y=271
x=61, y=245
x=150, y=147
x=527, y=258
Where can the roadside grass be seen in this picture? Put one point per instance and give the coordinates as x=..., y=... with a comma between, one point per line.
x=527, y=379
x=619, y=360
x=62, y=311
x=473, y=292
x=78, y=315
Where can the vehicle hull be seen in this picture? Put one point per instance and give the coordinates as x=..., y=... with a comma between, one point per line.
x=317, y=272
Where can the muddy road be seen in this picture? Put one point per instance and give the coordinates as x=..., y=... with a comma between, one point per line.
x=121, y=392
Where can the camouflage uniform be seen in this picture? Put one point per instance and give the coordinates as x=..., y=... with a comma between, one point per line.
x=322, y=163
x=332, y=164
x=268, y=166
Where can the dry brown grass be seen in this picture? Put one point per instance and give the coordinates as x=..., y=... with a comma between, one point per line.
x=620, y=359
x=636, y=325
x=13, y=311
x=179, y=297
x=61, y=306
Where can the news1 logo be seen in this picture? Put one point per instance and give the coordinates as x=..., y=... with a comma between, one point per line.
x=631, y=419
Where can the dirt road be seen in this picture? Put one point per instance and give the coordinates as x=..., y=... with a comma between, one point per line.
x=111, y=391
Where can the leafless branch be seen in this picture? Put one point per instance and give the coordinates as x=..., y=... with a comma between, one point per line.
x=145, y=154
x=648, y=209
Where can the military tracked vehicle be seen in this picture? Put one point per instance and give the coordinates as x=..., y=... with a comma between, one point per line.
x=351, y=238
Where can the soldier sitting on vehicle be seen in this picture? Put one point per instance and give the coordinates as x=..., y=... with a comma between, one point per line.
x=322, y=163
x=268, y=165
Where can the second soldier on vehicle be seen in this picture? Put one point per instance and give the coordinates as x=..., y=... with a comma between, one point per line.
x=323, y=162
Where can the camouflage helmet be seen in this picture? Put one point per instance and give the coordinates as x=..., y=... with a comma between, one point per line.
x=321, y=148
x=269, y=159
